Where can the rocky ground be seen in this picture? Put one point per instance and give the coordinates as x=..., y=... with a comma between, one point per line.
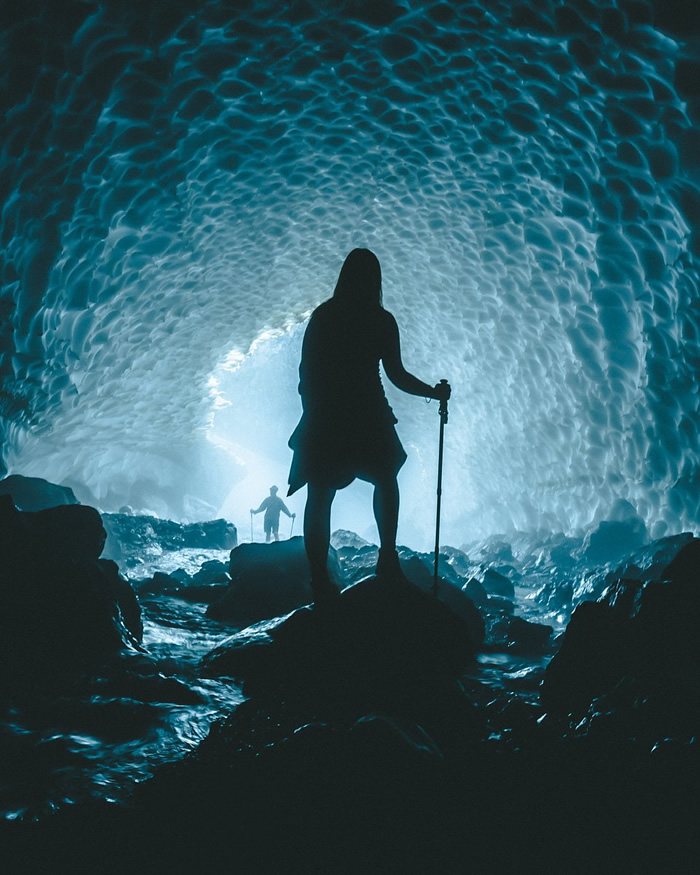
x=390, y=732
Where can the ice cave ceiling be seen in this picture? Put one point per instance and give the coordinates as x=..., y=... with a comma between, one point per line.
x=181, y=182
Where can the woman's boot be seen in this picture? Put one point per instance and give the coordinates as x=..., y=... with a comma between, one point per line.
x=388, y=566
x=324, y=590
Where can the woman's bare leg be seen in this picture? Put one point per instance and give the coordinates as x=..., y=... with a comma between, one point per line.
x=317, y=538
x=386, y=511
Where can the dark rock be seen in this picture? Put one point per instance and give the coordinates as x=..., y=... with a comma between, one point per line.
x=350, y=757
x=378, y=635
x=60, y=605
x=452, y=595
x=122, y=594
x=212, y=571
x=476, y=592
x=131, y=536
x=516, y=635
x=647, y=563
x=70, y=532
x=159, y=584
x=359, y=562
x=560, y=554
x=267, y=580
x=557, y=596
x=35, y=493
x=210, y=592
x=248, y=654
x=446, y=570
x=638, y=642
x=498, y=604
x=383, y=738
x=314, y=792
x=207, y=585
x=491, y=605
x=457, y=559
x=155, y=687
x=587, y=663
x=684, y=568
x=491, y=551
x=611, y=540
x=497, y=584
x=652, y=561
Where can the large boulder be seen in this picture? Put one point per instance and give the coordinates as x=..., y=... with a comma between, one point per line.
x=60, y=604
x=498, y=584
x=206, y=585
x=612, y=540
x=72, y=533
x=35, y=493
x=518, y=636
x=637, y=642
x=379, y=635
x=267, y=580
x=449, y=593
x=144, y=537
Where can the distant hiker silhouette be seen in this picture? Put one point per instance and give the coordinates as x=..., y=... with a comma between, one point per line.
x=272, y=505
x=347, y=427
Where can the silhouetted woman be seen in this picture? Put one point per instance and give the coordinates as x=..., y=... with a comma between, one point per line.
x=347, y=427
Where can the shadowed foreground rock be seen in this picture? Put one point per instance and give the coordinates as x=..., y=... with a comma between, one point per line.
x=361, y=752
x=636, y=645
x=35, y=493
x=379, y=634
x=60, y=604
x=267, y=580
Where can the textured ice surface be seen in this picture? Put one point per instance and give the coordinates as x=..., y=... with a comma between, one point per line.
x=181, y=180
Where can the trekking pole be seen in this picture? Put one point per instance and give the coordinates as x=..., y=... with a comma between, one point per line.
x=443, y=420
x=291, y=531
x=251, y=527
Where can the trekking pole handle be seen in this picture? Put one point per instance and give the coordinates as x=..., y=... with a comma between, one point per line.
x=442, y=410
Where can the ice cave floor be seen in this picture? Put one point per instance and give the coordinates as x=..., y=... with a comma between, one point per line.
x=179, y=704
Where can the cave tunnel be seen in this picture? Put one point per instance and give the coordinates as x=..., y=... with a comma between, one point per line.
x=181, y=182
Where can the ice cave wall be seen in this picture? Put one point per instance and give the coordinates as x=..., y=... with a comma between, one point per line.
x=181, y=180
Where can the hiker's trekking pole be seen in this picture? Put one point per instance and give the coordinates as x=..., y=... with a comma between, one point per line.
x=443, y=420
x=291, y=530
x=251, y=527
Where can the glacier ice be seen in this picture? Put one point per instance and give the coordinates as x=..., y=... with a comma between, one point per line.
x=181, y=184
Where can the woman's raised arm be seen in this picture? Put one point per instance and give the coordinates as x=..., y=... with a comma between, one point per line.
x=398, y=374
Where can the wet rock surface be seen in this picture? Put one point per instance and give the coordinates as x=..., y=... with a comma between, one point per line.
x=394, y=772
x=390, y=732
x=635, y=648
x=35, y=493
x=613, y=539
x=133, y=538
x=60, y=604
x=377, y=637
x=267, y=580
x=91, y=688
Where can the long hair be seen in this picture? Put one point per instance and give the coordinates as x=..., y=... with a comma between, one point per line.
x=360, y=280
